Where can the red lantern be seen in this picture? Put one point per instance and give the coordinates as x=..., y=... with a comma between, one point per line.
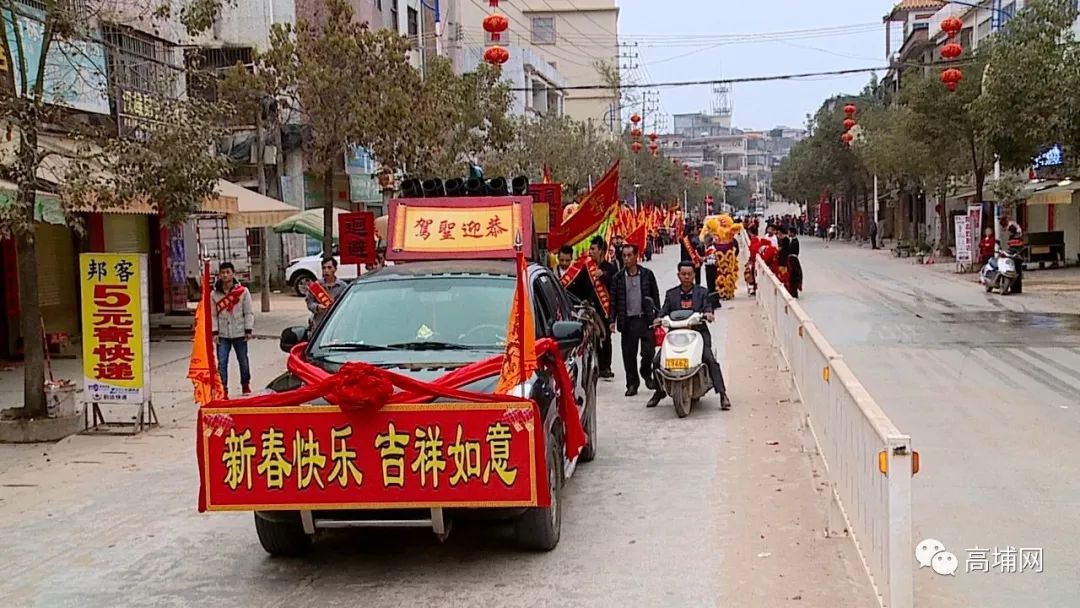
x=496, y=55
x=653, y=136
x=952, y=26
x=654, y=146
x=635, y=133
x=493, y=3
x=848, y=123
x=951, y=78
x=951, y=51
x=847, y=138
x=850, y=110
x=636, y=118
x=495, y=25
x=686, y=172
x=636, y=147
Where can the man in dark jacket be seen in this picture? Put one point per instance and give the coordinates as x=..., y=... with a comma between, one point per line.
x=633, y=302
x=688, y=296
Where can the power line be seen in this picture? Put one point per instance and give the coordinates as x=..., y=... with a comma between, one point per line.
x=692, y=83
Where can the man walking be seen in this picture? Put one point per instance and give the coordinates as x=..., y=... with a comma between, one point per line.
x=873, y=234
x=634, y=296
x=688, y=296
x=234, y=325
x=566, y=258
x=322, y=294
x=598, y=252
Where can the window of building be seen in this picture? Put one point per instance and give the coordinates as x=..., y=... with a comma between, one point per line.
x=394, y=14
x=140, y=62
x=543, y=30
x=413, y=18
x=378, y=5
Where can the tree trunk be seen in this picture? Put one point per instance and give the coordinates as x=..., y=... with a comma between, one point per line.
x=943, y=237
x=30, y=308
x=328, y=213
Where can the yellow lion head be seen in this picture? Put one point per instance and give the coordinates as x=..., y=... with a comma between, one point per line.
x=721, y=227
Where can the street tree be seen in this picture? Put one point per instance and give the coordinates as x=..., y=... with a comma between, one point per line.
x=460, y=118
x=352, y=87
x=52, y=63
x=1026, y=102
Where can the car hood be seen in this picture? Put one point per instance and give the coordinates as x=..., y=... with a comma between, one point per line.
x=426, y=366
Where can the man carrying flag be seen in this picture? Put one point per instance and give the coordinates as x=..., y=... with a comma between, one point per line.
x=234, y=325
x=322, y=294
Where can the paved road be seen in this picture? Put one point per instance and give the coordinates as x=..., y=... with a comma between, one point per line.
x=103, y=522
x=989, y=389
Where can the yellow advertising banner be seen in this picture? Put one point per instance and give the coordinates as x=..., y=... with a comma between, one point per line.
x=115, y=321
x=459, y=228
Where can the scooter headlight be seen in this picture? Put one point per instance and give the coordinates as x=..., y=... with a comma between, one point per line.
x=679, y=340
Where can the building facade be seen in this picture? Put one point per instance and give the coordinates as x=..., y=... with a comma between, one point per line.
x=552, y=43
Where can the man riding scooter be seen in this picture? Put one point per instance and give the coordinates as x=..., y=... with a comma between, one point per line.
x=694, y=298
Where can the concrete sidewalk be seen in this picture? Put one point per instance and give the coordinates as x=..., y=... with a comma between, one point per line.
x=167, y=348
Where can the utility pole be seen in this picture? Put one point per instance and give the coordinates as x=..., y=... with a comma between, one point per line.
x=260, y=163
x=627, y=58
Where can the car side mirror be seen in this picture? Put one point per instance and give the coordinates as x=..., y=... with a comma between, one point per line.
x=569, y=334
x=291, y=336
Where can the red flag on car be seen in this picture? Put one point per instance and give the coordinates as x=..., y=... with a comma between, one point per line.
x=519, y=359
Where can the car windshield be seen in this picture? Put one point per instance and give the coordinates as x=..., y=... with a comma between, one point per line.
x=423, y=313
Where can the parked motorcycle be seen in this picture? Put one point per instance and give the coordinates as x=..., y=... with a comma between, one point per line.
x=682, y=372
x=1001, y=272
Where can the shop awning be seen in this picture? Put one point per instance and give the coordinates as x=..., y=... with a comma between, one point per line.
x=1058, y=195
x=308, y=222
x=247, y=208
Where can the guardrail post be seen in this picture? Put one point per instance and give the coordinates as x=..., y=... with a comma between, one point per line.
x=901, y=583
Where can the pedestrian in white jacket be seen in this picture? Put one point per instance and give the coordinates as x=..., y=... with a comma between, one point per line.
x=234, y=325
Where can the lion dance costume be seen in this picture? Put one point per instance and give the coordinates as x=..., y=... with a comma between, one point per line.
x=724, y=230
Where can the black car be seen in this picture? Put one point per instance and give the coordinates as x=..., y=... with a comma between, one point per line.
x=429, y=318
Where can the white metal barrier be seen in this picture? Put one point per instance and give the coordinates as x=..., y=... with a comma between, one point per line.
x=868, y=460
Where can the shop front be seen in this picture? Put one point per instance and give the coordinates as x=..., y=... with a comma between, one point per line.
x=1053, y=223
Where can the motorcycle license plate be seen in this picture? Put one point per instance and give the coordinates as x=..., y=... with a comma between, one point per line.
x=677, y=363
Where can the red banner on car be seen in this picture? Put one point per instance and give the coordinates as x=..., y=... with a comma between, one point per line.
x=401, y=456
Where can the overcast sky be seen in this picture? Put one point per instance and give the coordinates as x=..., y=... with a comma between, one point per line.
x=663, y=28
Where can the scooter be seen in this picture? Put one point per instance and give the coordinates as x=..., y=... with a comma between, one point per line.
x=682, y=372
x=1001, y=272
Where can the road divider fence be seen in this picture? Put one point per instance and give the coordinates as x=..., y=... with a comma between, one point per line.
x=869, y=462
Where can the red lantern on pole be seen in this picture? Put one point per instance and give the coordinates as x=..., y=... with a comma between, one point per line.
x=951, y=51
x=496, y=55
x=849, y=123
x=847, y=138
x=636, y=118
x=952, y=26
x=686, y=172
x=636, y=147
x=653, y=146
x=495, y=25
x=951, y=78
x=653, y=136
x=850, y=110
x=635, y=133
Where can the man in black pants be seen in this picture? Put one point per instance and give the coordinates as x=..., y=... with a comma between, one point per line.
x=696, y=298
x=598, y=252
x=634, y=295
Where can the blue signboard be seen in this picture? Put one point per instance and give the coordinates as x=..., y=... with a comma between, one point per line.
x=74, y=70
x=1052, y=157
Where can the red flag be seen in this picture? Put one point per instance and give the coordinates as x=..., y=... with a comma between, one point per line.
x=202, y=367
x=519, y=359
x=594, y=208
x=637, y=237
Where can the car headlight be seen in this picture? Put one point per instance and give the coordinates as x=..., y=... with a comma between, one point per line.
x=679, y=340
